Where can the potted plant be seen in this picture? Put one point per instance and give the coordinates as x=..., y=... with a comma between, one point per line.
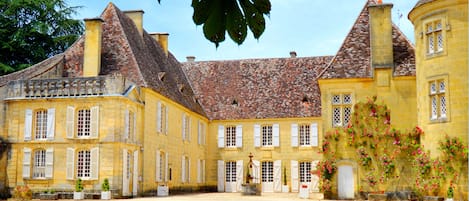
x=285, y=186
x=78, y=193
x=105, y=193
x=450, y=193
x=49, y=195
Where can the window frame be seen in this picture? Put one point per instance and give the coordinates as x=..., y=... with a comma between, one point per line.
x=230, y=136
x=40, y=122
x=267, y=171
x=436, y=93
x=41, y=168
x=344, y=108
x=86, y=123
x=267, y=135
x=86, y=166
x=304, y=168
x=304, y=138
x=230, y=171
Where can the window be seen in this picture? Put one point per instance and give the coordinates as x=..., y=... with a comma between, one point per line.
x=127, y=168
x=161, y=166
x=230, y=171
x=305, y=134
x=162, y=118
x=438, y=100
x=434, y=37
x=267, y=171
x=266, y=135
x=84, y=123
x=186, y=127
x=84, y=164
x=41, y=124
x=230, y=136
x=201, y=133
x=305, y=171
x=341, y=109
x=39, y=169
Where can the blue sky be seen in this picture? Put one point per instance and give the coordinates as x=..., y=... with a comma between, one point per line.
x=309, y=27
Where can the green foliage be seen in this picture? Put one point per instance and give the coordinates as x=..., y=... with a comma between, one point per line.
x=78, y=185
x=105, y=185
x=450, y=192
x=284, y=176
x=33, y=30
x=22, y=193
x=232, y=16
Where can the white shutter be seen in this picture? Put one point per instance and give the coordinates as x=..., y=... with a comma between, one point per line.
x=276, y=135
x=256, y=171
x=189, y=127
x=126, y=124
x=94, y=163
x=70, y=122
x=314, y=135
x=134, y=130
x=294, y=135
x=135, y=174
x=183, y=169
x=188, y=169
x=94, y=122
x=50, y=123
x=203, y=171
x=166, y=173
x=294, y=176
x=26, y=162
x=166, y=121
x=70, y=163
x=158, y=117
x=183, y=126
x=277, y=176
x=239, y=136
x=125, y=180
x=28, y=123
x=257, y=135
x=199, y=171
x=221, y=136
x=158, y=162
x=314, y=187
x=239, y=175
x=49, y=163
x=221, y=176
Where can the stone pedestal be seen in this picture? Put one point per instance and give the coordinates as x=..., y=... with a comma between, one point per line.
x=251, y=189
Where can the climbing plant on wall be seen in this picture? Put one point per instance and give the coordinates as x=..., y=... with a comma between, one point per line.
x=388, y=159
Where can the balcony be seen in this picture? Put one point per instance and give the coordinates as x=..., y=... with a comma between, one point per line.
x=67, y=87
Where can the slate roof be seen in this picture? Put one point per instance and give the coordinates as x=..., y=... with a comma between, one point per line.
x=258, y=88
x=353, y=60
x=124, y=51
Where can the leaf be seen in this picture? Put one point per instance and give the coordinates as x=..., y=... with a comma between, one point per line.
x=263, y=6
x=235, y=23
x=201, y=8
x=215, y=26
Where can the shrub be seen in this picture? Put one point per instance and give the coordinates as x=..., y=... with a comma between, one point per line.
x=79, y=185
x=22, y=193
x=105, y=185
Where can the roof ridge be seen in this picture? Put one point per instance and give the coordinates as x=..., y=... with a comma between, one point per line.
x=357, y=21
x=119, y=14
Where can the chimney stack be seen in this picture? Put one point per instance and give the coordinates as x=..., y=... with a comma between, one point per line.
x=292, y=54
x=92, y=52
x=162, y=39
x=190, y=58
x=137, y=17
x=381, y=35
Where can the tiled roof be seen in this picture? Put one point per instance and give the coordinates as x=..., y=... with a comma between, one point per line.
x=258, y=88
x=124, y=51
x=49, y=68
x=353, y=60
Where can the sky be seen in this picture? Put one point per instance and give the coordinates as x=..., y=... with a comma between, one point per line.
x=308, y=27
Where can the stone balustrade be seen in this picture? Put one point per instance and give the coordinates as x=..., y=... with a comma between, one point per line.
x=66, y=87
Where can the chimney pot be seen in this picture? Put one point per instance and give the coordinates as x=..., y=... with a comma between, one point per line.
x=190, y=58
x=292, y=54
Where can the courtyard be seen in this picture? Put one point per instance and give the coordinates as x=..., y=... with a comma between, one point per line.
x=225, y=197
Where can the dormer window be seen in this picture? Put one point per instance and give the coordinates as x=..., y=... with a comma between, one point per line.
x=161, y=76
x=181, y=88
